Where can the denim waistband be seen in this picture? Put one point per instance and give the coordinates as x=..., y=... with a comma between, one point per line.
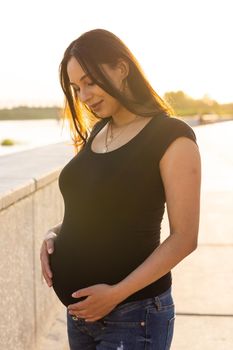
x=148, y=301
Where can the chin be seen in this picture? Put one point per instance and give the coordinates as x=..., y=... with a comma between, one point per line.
x=103, y=115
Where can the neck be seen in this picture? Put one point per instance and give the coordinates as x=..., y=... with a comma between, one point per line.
x=122, y=120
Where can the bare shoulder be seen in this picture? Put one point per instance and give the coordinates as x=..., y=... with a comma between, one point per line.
x=181, y=152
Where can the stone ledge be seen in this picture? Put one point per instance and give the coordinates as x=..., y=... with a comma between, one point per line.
x=25, y=172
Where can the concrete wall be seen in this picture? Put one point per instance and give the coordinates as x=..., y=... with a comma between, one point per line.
x=30, y=204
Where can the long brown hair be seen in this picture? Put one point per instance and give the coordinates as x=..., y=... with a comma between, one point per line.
x=92, y=49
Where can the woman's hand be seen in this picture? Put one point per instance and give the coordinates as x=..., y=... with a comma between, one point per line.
x=47, y=248
x=100, y=300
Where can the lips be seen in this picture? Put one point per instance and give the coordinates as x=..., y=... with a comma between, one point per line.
x=96, y=104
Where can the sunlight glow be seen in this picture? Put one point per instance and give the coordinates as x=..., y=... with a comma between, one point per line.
x=181, y=45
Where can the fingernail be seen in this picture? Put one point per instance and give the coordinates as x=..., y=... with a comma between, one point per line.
x=50, y=250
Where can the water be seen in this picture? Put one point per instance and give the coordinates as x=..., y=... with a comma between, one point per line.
x=32, y=133
x=38, y=132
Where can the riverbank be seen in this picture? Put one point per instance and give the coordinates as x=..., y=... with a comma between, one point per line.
x=32, y=133
x=28, y=134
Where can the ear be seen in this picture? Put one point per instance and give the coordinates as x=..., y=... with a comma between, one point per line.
x=123, y=68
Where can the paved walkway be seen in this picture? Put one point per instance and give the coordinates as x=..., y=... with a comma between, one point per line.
x=203, y=281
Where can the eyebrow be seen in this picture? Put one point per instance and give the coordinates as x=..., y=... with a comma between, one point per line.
x=83, y=77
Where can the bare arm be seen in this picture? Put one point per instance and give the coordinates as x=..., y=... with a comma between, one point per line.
x=180, y=170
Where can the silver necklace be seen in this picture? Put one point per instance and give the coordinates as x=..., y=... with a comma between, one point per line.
x=109, y=139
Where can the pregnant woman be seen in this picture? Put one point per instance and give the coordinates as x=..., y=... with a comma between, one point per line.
x=105, y=260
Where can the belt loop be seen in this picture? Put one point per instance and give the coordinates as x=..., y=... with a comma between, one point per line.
x=157, y=303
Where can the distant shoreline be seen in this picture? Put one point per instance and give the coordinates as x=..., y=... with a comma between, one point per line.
x=26, y=113
x=183, y=106
x=35, y=113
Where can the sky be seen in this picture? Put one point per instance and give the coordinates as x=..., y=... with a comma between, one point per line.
x=180, y=44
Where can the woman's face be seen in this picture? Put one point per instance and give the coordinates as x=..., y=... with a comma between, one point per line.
x=99, y=101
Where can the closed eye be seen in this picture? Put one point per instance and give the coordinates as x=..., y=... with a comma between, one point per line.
x=77, y=89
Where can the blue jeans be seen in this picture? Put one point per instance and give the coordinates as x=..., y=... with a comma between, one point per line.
x=147, y=324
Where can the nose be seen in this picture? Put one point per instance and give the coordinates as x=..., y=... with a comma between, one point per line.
x=85, y=95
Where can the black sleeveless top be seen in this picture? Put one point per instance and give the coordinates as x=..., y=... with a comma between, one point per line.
x=114, y=205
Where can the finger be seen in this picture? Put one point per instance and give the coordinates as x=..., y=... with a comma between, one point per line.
x=80, y=314
x=50, y=235
x=92, y=319
x=45, y=273
x=45, y=262
x=49, y=245
x=82, y=292
x=78, y=306
x=46, y=266
x=46, y=278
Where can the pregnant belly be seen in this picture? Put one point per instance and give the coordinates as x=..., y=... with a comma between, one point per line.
x=66, y=269
x=77, y=266
x=84, y=259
